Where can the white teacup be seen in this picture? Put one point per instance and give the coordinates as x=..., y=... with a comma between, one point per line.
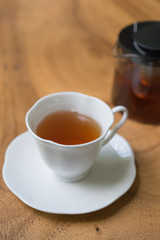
x=73, y=162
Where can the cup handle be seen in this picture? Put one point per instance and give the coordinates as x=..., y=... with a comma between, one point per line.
x=119, y=124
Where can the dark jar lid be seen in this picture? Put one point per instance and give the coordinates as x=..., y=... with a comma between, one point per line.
x=142, y=39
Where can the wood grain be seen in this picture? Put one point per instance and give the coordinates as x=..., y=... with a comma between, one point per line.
x=58, y=45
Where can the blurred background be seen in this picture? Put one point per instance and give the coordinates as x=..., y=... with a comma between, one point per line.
x=60, y=45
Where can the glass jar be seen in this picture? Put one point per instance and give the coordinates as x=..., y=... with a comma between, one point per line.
x=137, y=71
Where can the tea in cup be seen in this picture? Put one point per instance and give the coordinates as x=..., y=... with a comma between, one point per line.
x=70, y=128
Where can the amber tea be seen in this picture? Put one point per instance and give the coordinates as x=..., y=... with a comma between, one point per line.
x=69, y=128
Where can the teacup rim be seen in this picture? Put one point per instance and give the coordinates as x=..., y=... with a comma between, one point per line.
x=102, y=136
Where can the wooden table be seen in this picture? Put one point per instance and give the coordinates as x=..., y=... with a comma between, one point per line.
x=58, y=45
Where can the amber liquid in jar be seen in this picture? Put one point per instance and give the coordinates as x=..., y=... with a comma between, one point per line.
x=137, y=86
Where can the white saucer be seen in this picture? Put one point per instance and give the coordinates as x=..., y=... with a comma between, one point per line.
x=31, y=180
